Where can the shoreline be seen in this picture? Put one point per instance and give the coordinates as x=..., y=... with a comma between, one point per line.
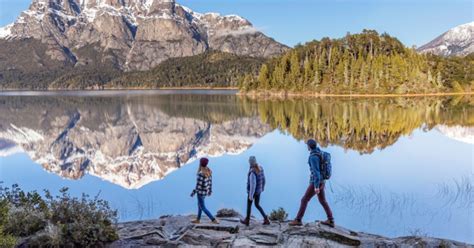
x=120, y=89
x=105, y=92
x=266, y=94
x=322, y=95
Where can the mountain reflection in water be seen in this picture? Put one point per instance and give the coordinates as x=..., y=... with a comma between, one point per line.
x=402, y=166
x=134, y=140
x=127, y=141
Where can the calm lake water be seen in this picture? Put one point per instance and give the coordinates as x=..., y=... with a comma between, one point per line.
x=402, y=166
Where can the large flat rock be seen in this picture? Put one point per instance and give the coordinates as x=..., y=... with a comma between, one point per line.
x=178, y=231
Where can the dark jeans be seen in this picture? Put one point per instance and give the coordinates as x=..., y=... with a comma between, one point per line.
x=307, y=197
x=202, y=207
x=256, y=199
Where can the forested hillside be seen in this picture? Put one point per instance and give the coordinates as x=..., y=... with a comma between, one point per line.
x=365, y=63
x=210, y=69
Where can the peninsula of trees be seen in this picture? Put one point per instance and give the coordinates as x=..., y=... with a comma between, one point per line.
x=365, y=63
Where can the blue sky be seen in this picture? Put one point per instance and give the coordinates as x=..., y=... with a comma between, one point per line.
x=414, y=22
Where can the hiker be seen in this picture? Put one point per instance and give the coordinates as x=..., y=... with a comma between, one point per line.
x=255, y=187
x=319, y=174
x=203, y=189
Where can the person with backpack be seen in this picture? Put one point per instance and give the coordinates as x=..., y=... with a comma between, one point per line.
x=255, y=187
x=203, y=189
x=320, y=167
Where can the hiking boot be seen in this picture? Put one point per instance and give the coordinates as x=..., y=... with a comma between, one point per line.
x=296, y=223
x=329, y=223
x=245, y=222
x=196, y=221
x=266, y=222
x=215, y=221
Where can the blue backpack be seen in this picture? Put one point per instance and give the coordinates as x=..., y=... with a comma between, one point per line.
x=325, y=164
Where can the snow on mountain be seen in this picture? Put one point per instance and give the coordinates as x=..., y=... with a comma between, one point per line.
x=5, y=32
x=458, y=41
x=459, y=133
x=140, y=33
x=130, y=146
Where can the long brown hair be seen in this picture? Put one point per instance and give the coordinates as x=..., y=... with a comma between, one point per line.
x=256, y=168
x=205, y=171
x=203, y=167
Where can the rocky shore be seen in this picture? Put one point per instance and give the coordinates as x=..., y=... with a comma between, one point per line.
x=177, y=231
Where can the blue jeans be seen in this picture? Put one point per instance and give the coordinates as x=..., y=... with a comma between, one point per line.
x=202, y=207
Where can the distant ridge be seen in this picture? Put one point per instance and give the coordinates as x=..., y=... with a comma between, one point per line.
x=458, y=41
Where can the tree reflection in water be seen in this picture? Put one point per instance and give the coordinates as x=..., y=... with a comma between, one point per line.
x=363, y=124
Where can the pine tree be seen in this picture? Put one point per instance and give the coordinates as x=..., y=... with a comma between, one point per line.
x=316, y=72
x=264, y=77
x=439, y=79
x=295, y=71
x=308, y=72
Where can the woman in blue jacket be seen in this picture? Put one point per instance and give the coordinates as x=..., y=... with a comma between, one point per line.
x=255, y=187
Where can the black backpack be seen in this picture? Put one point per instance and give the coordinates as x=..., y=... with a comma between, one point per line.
x=325, y=165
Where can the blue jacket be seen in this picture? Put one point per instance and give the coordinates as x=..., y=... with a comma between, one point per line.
x=315, y=168
x=255, y=182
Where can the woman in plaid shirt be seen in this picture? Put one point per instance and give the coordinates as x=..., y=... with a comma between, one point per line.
x=203, y=189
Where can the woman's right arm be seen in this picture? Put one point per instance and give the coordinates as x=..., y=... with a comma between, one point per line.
x=210, y=186
x=253, y=185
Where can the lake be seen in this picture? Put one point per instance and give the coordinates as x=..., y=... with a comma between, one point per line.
x=401, y=166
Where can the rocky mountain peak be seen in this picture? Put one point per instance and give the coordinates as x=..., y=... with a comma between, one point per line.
x=134, y=34
x=129, y=144
x=162, y=6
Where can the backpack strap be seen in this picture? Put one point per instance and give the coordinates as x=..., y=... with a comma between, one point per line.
x=321, y=160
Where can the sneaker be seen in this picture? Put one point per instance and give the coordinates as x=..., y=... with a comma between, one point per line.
x=296, y=223
x=215, y=221
x=196, y=221
x=245, y=222
x=329, y=223
x=266, y=222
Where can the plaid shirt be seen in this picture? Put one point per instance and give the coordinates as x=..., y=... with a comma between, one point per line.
x=203, y=185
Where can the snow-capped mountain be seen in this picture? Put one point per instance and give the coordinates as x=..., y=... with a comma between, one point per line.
x=458, y=41
x=131, y=34
x=129, y=144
